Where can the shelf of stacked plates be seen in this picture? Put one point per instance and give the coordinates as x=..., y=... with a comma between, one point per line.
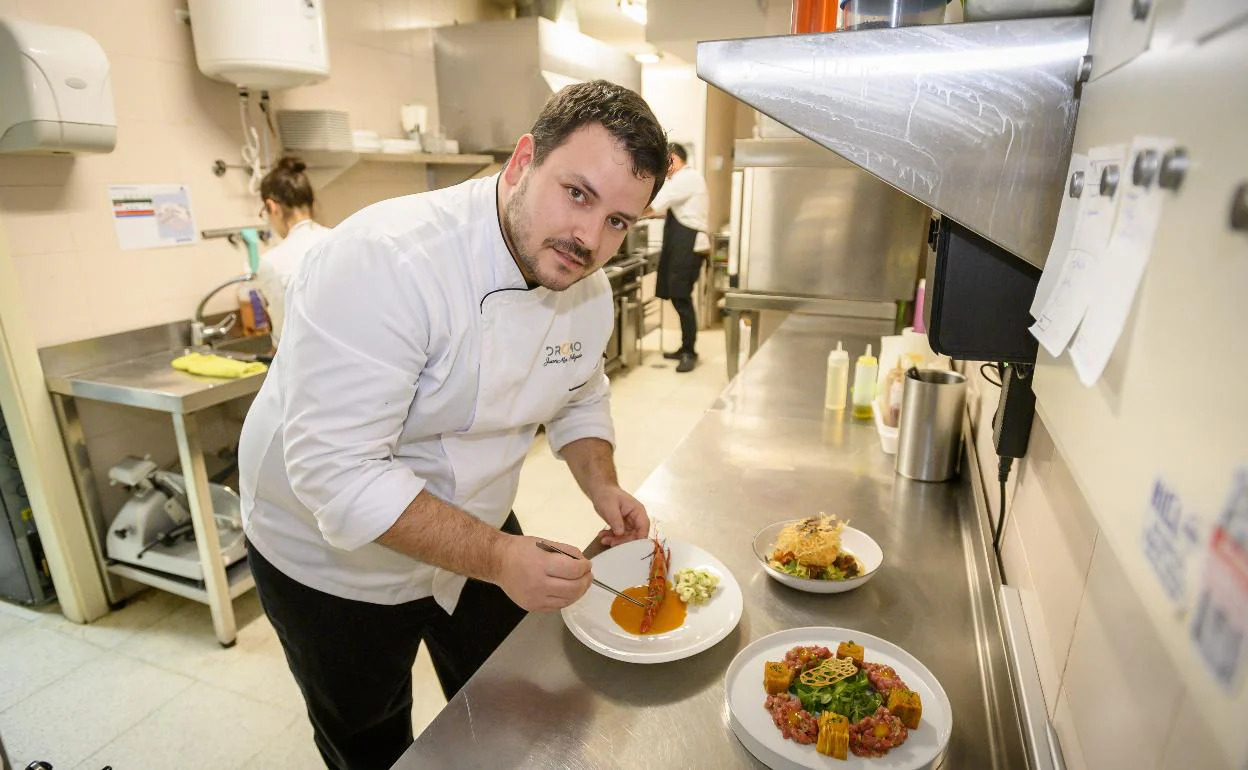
x=324, y=139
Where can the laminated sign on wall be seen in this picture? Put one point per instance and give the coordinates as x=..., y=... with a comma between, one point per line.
x=1220, y=623
x=150, y=216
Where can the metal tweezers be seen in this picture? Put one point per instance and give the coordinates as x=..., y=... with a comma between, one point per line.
x=604, y=586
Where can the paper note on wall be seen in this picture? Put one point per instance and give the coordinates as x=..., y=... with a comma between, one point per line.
x=149, y=216
x=1071, y=292
x=1121, y=268
x=1059, y=250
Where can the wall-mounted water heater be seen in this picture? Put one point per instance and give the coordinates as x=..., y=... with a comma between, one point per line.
x=261, y=44
x=55, y=94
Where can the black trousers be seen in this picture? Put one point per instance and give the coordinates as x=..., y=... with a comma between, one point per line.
x=688, y=323
x=353, y=660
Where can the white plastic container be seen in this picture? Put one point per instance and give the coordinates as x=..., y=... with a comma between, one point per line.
x=838, y=378
x=263, y=44
x=888, y=436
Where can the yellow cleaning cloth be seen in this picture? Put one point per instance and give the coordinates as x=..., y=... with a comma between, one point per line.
x=217, y=366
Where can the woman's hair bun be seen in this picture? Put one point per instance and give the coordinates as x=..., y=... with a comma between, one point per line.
x=292, y=164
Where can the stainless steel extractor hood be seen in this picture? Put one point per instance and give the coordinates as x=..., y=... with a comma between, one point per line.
x=975, y=120
x=494, y=77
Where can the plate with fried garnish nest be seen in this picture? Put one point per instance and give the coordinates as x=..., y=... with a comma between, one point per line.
x=819, y=554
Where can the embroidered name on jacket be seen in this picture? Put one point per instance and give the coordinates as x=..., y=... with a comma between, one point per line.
x=563, y=353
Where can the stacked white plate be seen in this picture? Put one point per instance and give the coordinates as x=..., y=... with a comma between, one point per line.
x=325, y=130
x=366, y=141
x=400, y=146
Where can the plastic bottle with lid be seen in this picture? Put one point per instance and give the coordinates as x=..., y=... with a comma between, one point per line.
x=838, y=378
x=865, y=373
x=890, y=398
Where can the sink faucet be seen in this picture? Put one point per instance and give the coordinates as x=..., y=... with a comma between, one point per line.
x=201, y=332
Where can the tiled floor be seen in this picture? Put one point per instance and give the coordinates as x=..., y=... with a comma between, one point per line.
x=149, y=687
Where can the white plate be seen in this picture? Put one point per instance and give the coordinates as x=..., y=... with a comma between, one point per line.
x=743, y=689
x=590, y=620
x=855, y=541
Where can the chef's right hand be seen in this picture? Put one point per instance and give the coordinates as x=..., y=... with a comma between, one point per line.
x=540, y=581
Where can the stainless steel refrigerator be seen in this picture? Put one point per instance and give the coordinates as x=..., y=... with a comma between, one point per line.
x=808, y=224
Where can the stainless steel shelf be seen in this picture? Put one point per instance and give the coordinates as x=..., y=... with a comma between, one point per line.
x=238, y=575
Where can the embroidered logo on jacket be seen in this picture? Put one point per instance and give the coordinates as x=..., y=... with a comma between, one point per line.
x=563, y=353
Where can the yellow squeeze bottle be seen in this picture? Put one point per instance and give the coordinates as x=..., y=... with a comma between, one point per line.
x=865, y=372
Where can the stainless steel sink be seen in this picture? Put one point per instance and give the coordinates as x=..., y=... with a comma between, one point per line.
x=133, y=368
x=248, y=346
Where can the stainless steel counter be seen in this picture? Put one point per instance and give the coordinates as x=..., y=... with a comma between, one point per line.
x=134, y=369
x=766, y=451
x=149, y=382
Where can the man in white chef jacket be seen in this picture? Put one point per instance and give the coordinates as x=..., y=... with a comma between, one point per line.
x=427, y=338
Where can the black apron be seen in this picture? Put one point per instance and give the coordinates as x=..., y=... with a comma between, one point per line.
x=678, y=265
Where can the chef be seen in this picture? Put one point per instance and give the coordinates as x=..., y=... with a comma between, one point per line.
x=684, y=204
x=288, y=200
x=427, y=337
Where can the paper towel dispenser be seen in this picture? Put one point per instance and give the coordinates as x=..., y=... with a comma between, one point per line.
x=55, y=93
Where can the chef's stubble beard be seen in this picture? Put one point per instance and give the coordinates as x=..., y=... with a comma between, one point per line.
x=516, y=230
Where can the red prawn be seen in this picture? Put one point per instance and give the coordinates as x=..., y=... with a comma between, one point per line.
x=656, y=587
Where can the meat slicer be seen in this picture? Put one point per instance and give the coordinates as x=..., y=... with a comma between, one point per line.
x=153, y=529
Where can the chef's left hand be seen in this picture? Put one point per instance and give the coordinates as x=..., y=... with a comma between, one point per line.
x=625, y=516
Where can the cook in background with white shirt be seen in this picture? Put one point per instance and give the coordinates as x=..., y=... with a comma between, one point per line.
x=288, y=202
x=427, y=337
x=685, y=202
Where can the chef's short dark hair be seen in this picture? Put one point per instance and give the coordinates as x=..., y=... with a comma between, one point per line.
x=679, y=151
x=619, y=110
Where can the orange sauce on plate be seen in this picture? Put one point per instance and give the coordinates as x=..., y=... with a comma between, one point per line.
x=628, y=615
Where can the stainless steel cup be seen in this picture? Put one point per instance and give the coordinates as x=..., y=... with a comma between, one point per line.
x=930, y=434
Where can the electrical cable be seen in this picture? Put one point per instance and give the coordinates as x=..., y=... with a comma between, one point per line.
x=1003, y=474
x=266, y=158
x=1000, y=369
x=251, y=144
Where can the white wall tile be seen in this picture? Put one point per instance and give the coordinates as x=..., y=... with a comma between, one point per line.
x=1068, y=735
x=53, y=294
x=1191, y=744
x=353, y=21
x=1018, y=575
x=35, y=170
x=36, y=220
x=1058, y=539
x=397, y=22
x=1124, y=693
x=139, y=91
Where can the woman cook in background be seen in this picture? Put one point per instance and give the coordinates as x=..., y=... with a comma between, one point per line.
x=288, y=201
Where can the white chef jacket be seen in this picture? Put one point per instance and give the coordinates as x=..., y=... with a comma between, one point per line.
x=415, y=357
x=278, y=266
x=686, y=196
